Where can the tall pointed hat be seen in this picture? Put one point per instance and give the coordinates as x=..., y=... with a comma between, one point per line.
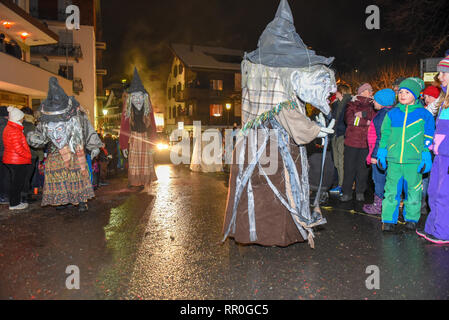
x=58, y=106
x=136, y=83
x=280, y=45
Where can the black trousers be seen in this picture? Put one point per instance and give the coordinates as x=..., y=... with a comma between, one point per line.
x=18, y=174
x=355, y=168
x=29, y=175
x=5, y=180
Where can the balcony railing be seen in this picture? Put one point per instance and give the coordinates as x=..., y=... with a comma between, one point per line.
x=77, y=85
x=58, y=50
x=199, y=93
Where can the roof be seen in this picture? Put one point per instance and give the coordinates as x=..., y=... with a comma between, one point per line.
x=201, y=57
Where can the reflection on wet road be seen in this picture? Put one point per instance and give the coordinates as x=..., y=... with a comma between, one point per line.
x=167, y=245
x=181, y=256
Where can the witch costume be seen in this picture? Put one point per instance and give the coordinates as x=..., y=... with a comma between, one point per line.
x=66, y=131
x=273, y=209
x=138, y=134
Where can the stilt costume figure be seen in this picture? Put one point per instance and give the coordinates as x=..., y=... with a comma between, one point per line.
x=138, y=134
x=278, y=79
x=66, y=128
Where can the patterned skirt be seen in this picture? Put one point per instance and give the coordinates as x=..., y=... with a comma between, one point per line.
x=64, y=185
x=140, y=160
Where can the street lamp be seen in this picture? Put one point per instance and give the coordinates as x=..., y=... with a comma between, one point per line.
x=228, y=107
x=105, y=112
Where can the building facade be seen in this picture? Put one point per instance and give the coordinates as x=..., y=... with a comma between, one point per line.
x=21, y=82
x=204, y=85
x=74, y=57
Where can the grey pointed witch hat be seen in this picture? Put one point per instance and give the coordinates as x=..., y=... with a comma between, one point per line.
x=280, y=45
x=136, y=83
x=58, y=106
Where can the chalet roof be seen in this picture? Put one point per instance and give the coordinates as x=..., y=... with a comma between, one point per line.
x=202, y=57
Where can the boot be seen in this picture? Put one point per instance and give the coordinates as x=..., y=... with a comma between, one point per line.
x=375, y=207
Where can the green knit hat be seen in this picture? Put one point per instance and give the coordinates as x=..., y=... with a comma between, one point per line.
x=414, y=85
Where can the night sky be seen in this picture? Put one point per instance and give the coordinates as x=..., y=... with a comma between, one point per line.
x=139, y=32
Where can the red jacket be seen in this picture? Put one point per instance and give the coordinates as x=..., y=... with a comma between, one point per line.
x=357, y=129
x=17, y=150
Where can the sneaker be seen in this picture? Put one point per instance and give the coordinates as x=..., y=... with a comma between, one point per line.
x=433, y=239
x=346, y=198
x=20, y=206
x=360, y=197
x=421, y=233
x=388, y=227
x=337, y=189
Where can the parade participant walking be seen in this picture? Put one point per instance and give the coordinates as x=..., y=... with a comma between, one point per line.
x=138, y=134
x=343, y=96
x=358, y=116
x=16, y=156
x=437, y=225
x=66, y=127
x=407, y=133
x=384, y=100
x=4, y=172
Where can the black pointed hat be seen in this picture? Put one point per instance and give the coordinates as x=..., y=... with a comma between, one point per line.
x=280, y=45
x=58, y=106
x=136, y=83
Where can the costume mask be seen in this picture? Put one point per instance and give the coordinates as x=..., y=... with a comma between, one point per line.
x=57, y=132
x=138, y=99
x=314, y=87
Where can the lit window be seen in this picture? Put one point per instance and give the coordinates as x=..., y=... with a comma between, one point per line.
x=216, y=110
x=216, y=85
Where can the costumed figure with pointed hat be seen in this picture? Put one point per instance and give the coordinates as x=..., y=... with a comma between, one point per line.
x=65, y=129
x=278, y=79
x=138, y=134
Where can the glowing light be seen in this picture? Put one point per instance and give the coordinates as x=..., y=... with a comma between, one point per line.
x=105, y=112
x=24, y=35
x=228, y=106
x=162, y=146
x=7, y=24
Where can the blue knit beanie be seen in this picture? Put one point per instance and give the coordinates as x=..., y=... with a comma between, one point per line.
x=385, y=97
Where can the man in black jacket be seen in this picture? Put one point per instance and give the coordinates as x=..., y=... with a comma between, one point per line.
x=343, y=96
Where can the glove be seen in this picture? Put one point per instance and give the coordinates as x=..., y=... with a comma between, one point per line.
x=382, y=158
x=94, y=153
x=426, y=163
x=125, y=153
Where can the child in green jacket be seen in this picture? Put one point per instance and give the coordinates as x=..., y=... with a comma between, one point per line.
x=407, y=132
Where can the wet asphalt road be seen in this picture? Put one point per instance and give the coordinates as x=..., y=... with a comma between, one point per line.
x=167, y=245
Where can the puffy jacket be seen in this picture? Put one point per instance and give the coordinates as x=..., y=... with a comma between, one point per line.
x=338, y=113
x=407, y=131
x=16, y=147
x=357, y=128
x=374, y=132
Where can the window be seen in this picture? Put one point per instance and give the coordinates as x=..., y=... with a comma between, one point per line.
x=216, y=110
x=216, y=85
x=181, y=69
x=174, y=112
x=175, y=71
x=179, y=87
x=169, y=93
x=169, y=113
